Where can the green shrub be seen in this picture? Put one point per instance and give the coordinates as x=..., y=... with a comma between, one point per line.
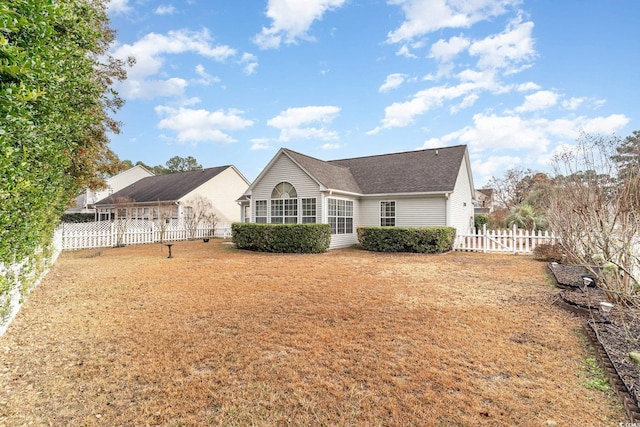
x=78, y=217
x=282, y=238
x=479, y=220
x=429, y=240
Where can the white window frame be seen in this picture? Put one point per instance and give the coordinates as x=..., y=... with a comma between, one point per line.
x=387, y=213
x=262, y=211
x=309, y=210
x=340, y=215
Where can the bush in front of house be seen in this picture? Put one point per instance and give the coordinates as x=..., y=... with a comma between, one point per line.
x=282, y=238
x=427, y=240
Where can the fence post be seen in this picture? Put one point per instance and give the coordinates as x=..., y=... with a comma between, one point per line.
x=485, y=241
x=514, y=238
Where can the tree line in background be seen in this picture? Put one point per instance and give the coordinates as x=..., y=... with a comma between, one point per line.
x=591, y=202
x=173, y=165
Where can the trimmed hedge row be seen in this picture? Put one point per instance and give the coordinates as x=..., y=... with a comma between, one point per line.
x=428, y=240
x=282, y=238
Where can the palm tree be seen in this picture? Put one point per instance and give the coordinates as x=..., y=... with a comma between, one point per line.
x=525, y=216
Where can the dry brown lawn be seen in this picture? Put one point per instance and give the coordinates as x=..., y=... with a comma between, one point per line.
x=217, y=336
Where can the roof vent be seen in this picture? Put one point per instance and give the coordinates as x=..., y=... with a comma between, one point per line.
x=436, y=152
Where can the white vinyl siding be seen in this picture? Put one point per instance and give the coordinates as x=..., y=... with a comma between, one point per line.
x=461, y=202
x=285, y=170
x=424, y=211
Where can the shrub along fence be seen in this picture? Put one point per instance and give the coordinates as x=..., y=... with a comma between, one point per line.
x=512, y=240
x=133, y=232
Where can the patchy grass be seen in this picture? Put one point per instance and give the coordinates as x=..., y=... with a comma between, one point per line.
x=217, y=336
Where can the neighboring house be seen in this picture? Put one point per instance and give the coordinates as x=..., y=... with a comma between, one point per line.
x=85, y=201
x=484, y=201
x=416, y=188
x=166, y=195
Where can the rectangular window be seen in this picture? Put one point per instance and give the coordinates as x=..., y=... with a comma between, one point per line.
x=277, y=211
x=261, y=211
x=291, y=211
x=308, y=211
x=387, y=214
x=340, y=216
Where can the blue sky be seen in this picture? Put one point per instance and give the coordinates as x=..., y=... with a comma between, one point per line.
x=230, y=82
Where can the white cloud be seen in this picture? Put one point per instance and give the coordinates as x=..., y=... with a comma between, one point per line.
x=404, y=51
x=201, y=125
x=573, y=103
x=294, y=123
x=165, y=10
x=117, y=7
x=205, y=78
x=260, y=144
x=526, y=87
x=540, y=100
x=489, y=166
x=426, y=16
x=401, y=114
x=491, y=132
x=329, y=146
x=445, y=51
x=150, y=53
x=250, y=62
x=148, y=89
x=467, y=102
x=292, y=19
x=393, y=81
x=506, y=50
x=605, y=125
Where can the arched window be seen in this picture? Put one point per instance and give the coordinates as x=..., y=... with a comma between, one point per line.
x=284, y=190
x=284, y=204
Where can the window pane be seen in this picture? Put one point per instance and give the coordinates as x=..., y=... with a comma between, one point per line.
x=261, y=208
x=333, y=225
x=277, y=208
x=276, y=220
x=348, y=225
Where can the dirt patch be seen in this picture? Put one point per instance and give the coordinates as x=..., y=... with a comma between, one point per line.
x=217, y=336
x=617, y=332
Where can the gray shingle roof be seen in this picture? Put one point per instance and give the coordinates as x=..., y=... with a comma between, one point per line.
x=421, y=171
x=163, y=188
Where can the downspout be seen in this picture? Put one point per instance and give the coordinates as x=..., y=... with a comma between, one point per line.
x=447, y=209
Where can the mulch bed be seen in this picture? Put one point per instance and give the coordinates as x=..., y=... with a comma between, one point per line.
x=614, y=336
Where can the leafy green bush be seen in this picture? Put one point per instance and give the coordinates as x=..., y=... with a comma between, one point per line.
x=479, y=220
x=282, y=238
x=429, y=240
x=78, y=217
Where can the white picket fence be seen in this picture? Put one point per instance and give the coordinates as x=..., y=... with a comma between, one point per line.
x=102, y=234
x=515, y=241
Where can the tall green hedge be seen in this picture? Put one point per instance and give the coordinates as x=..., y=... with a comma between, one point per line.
x=55, y=105
x=283, y=238
x=428, y=240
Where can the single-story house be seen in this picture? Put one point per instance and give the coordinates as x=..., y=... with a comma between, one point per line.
x=415, y=188
x=156, y=196
x=85, y=201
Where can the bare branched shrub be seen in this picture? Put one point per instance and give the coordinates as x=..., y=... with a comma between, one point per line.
x=199, y=211
x=162, y=217
x=595, y=211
